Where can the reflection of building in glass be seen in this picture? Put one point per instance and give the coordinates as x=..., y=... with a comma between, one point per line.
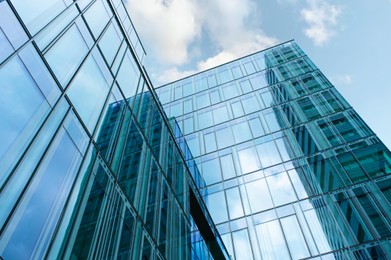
x=92, y=168
x=89, y=168
x=291, y=169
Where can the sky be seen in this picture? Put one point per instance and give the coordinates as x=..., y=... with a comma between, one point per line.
x=350, y=42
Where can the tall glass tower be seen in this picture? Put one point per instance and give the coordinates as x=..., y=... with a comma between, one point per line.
x=291, y=170
x=89, y=165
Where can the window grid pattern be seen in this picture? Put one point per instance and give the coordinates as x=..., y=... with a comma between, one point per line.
x=89, y=166
x=291, y=170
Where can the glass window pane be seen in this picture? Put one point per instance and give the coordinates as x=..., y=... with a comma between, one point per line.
x=268, y=154
x=211, y=171
x=256, y=190
x=38, y=13
x=220, y=114
x=228, y=167
x=235, y=208
x=224, y=137
x=202, y=100
x=230, y=91
x=6, y=48
x=258, y=81
x=249, y=67
x=241, y=132
x=39, y=72
x=97, y=17
x=215, y=96
x=249, y=160
x=256, y=127
x=187, y=106
x=88, y=92
x=42, y=206
x=250, y=104
x=228, y=243
x=246, y=87
x=317, y=231
x=128, y=76
x=281, y=189
x=188, y=125
x=237, y=72
x=205, y=119
x=110, y=43
x=294, y=237
x=67, y=54
x=46, y=36
x=22, y=108
x=210, y=142
x=225, y=76
x=271, y=241
x=242, y=245
x=217, y=207
x=237, y=109
x=11, y=29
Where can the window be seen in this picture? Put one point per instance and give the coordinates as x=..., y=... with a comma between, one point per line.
x=235, y=208
x=88, y=92
x=255, y=190
x=217, y=207
x=249, y=160
x=67, y=54
x=23, y=110
x=271, y=241
x=281, y=189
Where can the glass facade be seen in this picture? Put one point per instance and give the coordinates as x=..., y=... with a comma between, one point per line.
x=291, y=170
x=260, y=158
x=89, y=165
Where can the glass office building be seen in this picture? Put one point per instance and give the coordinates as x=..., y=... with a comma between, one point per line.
x=263, y=150
x=89, y=165
x=291, y=170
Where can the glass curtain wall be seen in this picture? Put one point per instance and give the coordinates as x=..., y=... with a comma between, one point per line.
x=291, y=170
x=89, y=168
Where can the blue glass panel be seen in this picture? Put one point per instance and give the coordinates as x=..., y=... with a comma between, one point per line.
x=128, y=76
x=256, y=190
x=228, y=167
x=294, y=237
x=249, y=160
x=22, y=109
x=241, y=132
x=88, y=92
x=235, y=208
x=67, y=54
x=38, y=13
x=281, y=189
x=10, y=26
x=217, y=207
x=110, y=43
x=22, y=173
x=43, y=202
x=6, y=48
x=268, y=154
x=211, y=171
x=41, y=75
x=224, y=137
x=271, y=240
x=97, y=17
x=242, y=245
x=52, y=30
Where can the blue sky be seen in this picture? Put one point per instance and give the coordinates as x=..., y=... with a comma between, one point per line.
x=350, y=41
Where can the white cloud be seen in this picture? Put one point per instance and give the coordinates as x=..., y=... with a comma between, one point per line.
x=169, y=27
x=344, y=79
x=322, y=20
x=171, y=30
